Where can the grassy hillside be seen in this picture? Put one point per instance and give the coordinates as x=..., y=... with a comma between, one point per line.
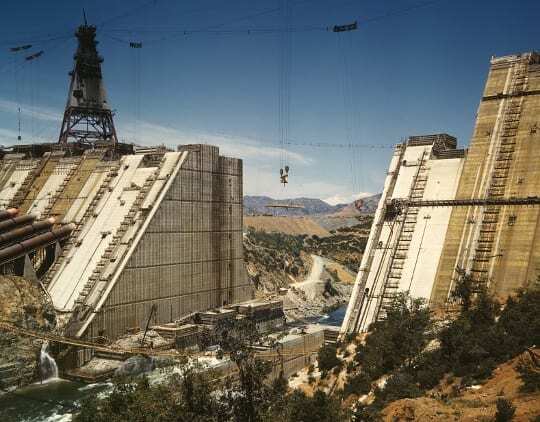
x=289, y=225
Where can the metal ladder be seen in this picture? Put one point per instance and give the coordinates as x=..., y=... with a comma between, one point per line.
x=354, y=321
x=484, y=248
x=111, y=173
x=23, y=190
x=116, y=240
x=47, y=210
x=403, y=241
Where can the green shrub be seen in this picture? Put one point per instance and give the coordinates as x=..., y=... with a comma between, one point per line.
x=327, y=357
x=319, y=408
x=399, y=386
x=505, y=410
x=398, y=340
x=519, y=324
x=529, y=376
x=470, y=343
x=430, y=369
x=483, y=336
x=358, y=384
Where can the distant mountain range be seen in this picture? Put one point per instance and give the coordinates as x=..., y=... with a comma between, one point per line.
x=257, y=205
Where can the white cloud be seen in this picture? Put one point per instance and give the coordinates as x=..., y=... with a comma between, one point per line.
x=261, y=168
x=149, y=133
x=37, y=112
x=346, y=198
x=7, y=136
x=153, y=134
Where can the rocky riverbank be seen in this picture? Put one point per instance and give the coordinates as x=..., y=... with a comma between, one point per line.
x=25, y=304
x=320, y=293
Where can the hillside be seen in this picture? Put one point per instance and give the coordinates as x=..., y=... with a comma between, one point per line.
x=289, y=225
x=448, y=403
x=257, y=205
x=283, y=264
x=361, y=206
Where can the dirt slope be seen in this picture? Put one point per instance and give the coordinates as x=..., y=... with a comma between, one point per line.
x=473, y=404
x=289, y=225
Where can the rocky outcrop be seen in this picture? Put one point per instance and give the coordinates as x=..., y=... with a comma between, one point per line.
x=25, y=304
x=321, y=292
x=271, y=267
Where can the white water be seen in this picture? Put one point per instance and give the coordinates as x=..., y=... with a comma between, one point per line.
x=47, y=365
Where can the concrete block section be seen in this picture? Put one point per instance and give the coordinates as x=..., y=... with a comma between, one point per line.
x=186, y=253
x=403, y=250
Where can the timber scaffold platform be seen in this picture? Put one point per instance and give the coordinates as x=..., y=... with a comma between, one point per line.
x=9, y=327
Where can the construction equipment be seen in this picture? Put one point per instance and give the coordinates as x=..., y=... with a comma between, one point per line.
x=20, y=48
x=396, y=206
x=345, y=28
x=153, y=310
x=88, y=119
x=284, y=175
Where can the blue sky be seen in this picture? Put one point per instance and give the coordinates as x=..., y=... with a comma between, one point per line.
x=405, y=73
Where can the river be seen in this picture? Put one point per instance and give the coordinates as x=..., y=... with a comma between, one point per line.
x=334, y=318
x=53, y=401
x=56, y=400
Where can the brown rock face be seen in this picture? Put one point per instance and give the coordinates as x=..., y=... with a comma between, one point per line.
x=25, y=304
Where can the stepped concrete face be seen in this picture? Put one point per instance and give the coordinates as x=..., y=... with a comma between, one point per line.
x=424, y=250
x=153, y=227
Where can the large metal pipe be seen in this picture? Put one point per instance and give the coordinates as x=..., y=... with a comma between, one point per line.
x=43, y=239
x=9, y=213
x=16, y=221
x=24, y=231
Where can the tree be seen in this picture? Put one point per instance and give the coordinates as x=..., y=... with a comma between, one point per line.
x=529, y=373
x=505, y=410
x=327, y=357
x=464, y=290
x=184, y=398
x=250, y=397
x=519, y=323
x=319, y=408
x=397, y=340
x=469, y=345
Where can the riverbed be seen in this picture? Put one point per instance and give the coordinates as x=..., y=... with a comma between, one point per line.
x=57, y=400
x=334, y=318
x=52, y=401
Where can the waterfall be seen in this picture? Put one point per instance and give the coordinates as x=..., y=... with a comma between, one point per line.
x=47, y=365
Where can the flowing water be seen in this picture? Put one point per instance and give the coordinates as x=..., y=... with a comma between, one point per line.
x=47, y=365
x=50, y=400
x=53, y=401
x=334, y=318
